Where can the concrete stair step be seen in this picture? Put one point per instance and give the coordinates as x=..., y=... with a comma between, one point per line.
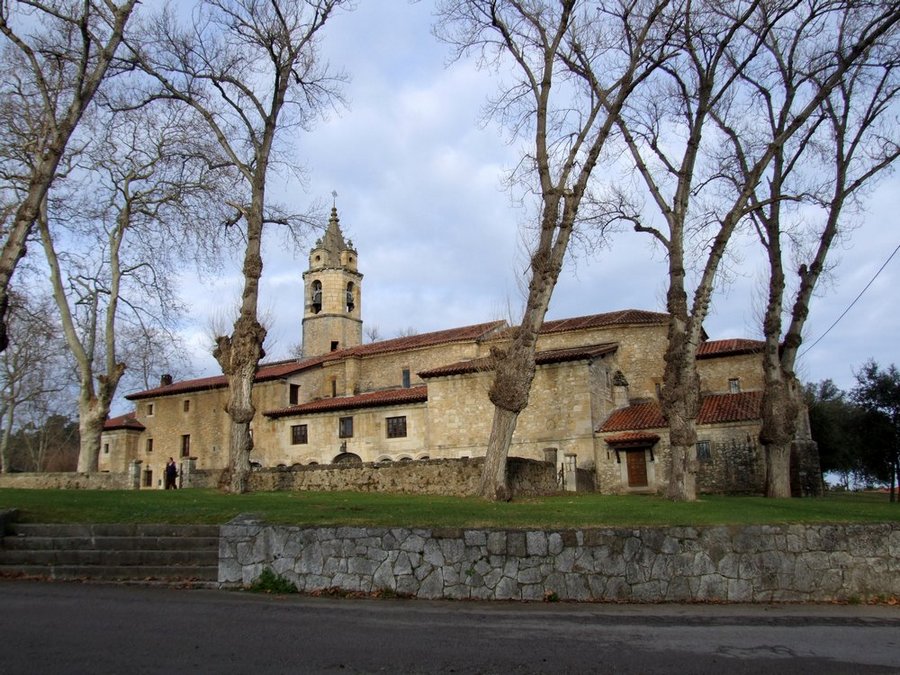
x=112, y=572
x=133, y=552
x=111, y=530
x=37, y=543
x=108, y=557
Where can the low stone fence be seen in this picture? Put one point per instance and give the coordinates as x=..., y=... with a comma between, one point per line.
x=432, y=477
x=789, y=563
x=67, y=481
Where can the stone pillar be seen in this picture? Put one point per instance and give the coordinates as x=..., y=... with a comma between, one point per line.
x=570, y=463
x=187, y=468
x=550, y=455
x=134, y=474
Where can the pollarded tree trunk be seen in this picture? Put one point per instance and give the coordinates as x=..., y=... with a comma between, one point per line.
x=513, y=375
x=493, y=478
x=514, y=366
x=91, y=416
x=93, y=409
x=239, y=355
x=779, y=427
x=681, y=401
x=8, y=418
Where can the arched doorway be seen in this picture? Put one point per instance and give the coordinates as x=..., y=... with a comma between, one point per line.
x=347, y=458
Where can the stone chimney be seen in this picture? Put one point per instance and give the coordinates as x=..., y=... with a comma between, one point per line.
x=619, y=390
x=165, y=380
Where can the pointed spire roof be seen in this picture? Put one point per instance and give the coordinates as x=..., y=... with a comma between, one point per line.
x=333, y=241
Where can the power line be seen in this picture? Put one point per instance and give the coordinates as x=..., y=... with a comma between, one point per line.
x=850, y=306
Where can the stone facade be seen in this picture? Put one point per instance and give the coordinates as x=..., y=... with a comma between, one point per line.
x=426, y=396
x=759, y=563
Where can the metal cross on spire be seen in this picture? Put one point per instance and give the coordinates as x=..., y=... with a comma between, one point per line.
x=334, y=199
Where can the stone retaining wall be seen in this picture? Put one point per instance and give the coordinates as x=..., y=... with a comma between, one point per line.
x=67, y=481
x=431, y=477
x=789, y=563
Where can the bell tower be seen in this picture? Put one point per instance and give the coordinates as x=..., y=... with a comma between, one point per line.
x=332, y=315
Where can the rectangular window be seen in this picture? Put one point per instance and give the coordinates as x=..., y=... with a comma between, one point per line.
x=334, y=345
x=406, y=378
x=293, y=394
x=106, y=448
x=734, y=385
x=333, y=387
x=298, y=434
x=345, y=427
x=149, y=445
x=186, y=445
x=703, y=451
x=149, y=410
x=396, y=427
x=186, y=406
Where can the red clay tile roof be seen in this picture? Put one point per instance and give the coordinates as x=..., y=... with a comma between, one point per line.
x=463, y=334
x=718, y=408
x=632, y=438
x=621, y=317
x=266, y=372
x=638, y=416
x=126, y=421
x=277, y=370
x=731, y=347
x=541, y=358
x=370, y=399
x=714, y=409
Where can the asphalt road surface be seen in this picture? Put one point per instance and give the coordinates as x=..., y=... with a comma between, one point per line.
x=86, y=628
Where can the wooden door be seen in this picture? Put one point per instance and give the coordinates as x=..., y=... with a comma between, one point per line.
x=636, y=461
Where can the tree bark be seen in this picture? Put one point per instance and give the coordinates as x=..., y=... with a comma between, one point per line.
x=680, y=404
x=8, y=418
x=239, y=355
x=91, y=417
x=493, y=484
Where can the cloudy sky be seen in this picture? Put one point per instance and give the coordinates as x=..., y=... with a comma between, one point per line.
x=420, y=193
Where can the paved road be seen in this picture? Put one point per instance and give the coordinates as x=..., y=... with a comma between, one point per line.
x=84, y=628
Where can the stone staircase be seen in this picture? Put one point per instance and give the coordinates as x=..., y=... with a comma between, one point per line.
x=173, y=554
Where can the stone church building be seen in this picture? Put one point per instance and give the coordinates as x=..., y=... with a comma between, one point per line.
x=594, y=401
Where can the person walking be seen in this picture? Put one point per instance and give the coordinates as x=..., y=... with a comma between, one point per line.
x=171, y=474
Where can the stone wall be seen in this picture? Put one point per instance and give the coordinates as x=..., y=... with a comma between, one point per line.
x=788, y=563
x=66, y=481
x=433, y=477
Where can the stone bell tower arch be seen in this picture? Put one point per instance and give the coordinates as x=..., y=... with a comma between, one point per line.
x=332, y=285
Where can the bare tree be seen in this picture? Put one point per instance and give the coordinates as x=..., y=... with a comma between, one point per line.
x=32, y=370
x=675, y=136
x=824, y=170
x=372, y=333
x=248, y=69
x=59, y=52
x=145, y=184
x=573, y=65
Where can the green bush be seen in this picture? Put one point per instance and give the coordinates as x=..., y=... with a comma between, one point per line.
x=269, y=582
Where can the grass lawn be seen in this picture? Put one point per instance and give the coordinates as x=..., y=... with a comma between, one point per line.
x=353, y=508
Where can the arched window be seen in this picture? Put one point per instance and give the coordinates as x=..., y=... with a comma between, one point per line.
x=350, y=302
x=316, y=296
